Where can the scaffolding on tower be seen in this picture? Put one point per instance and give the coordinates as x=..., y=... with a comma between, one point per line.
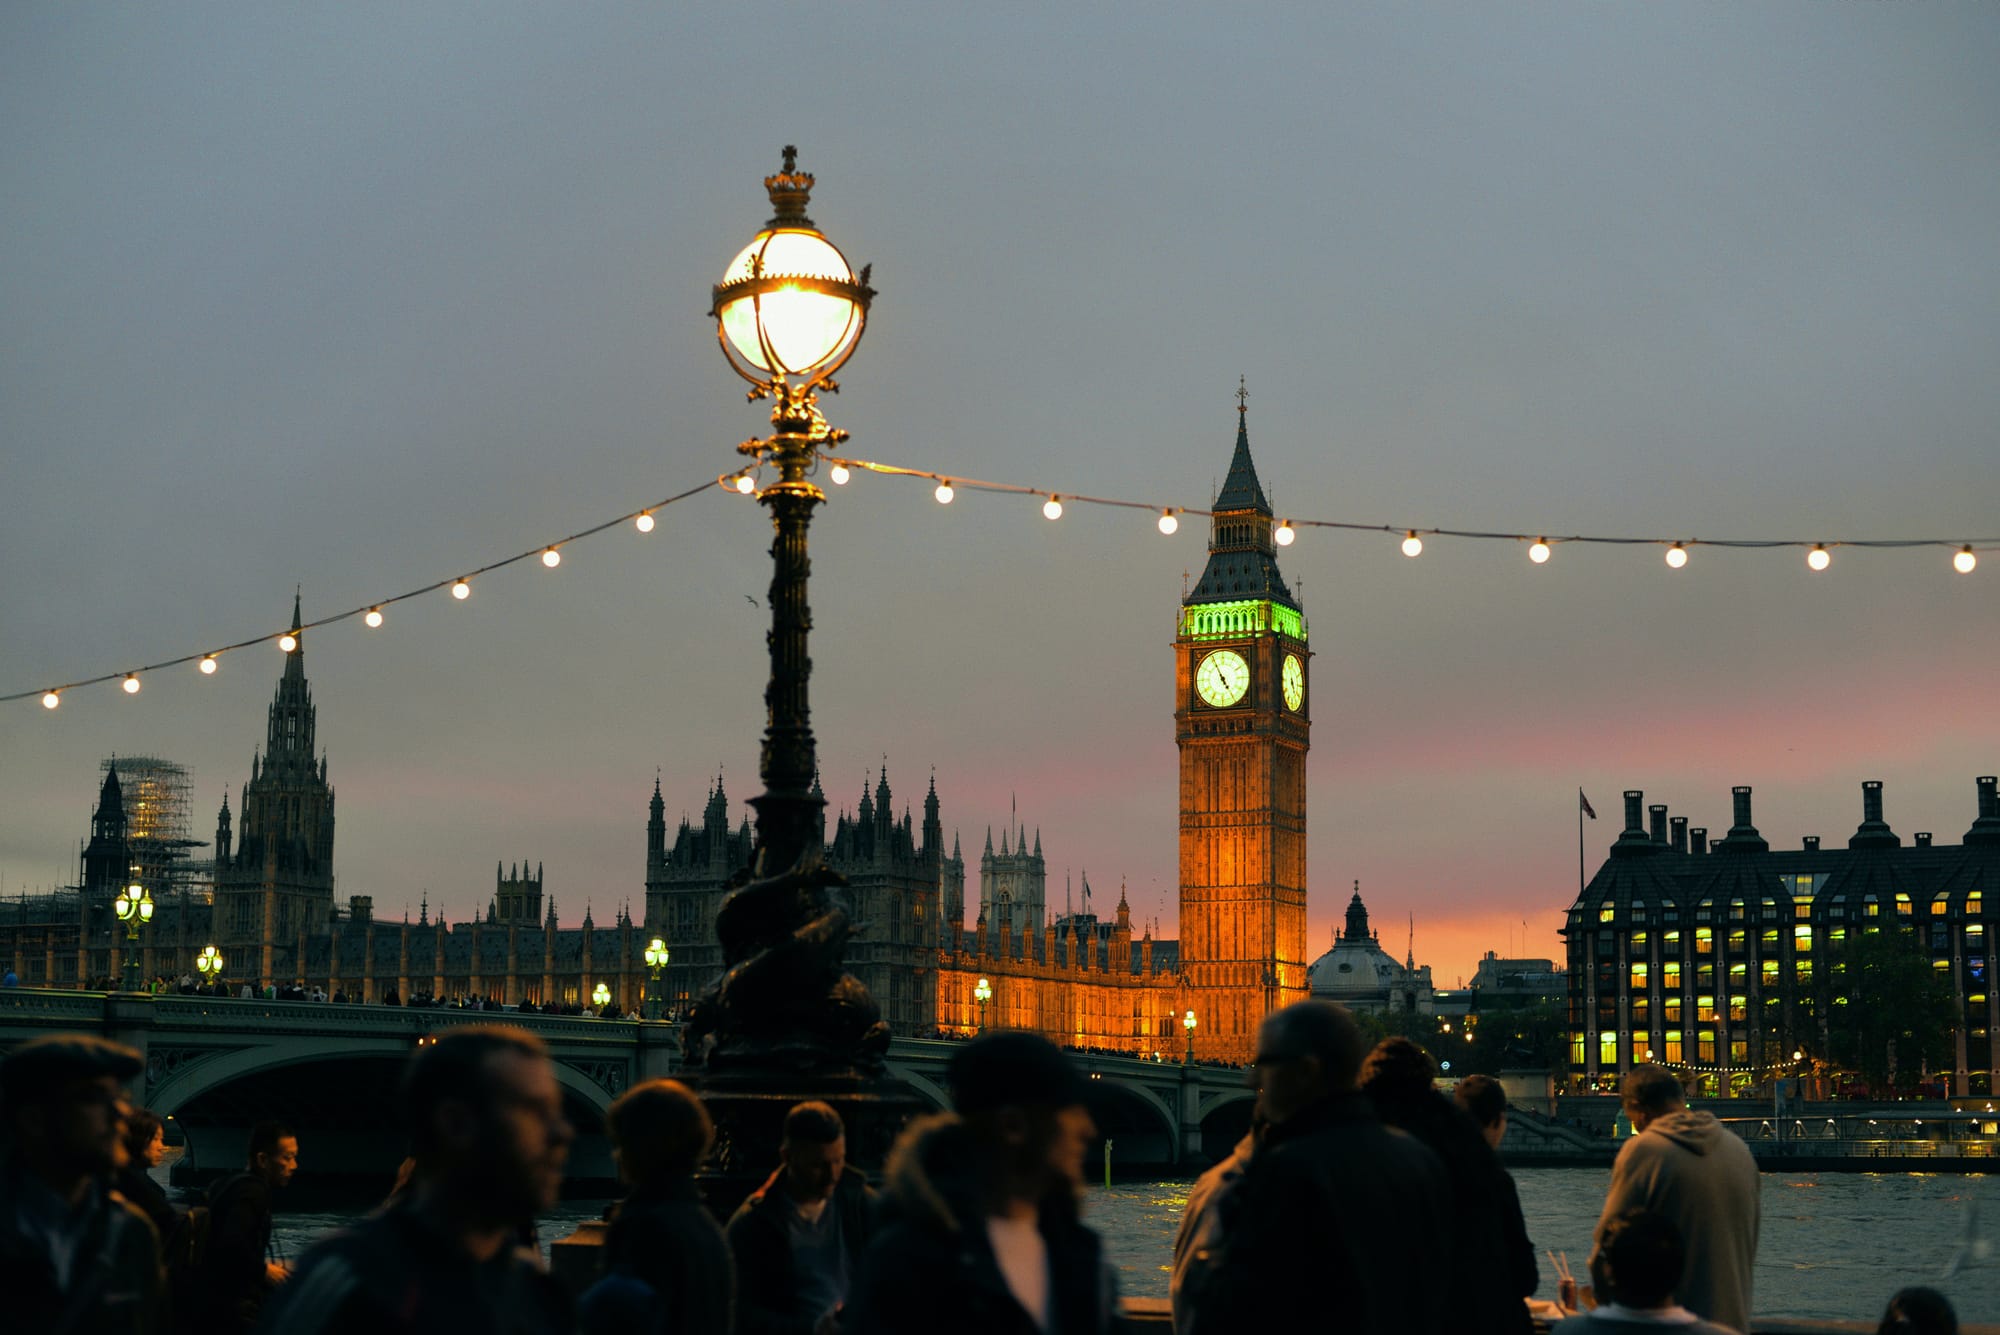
x=157, y=804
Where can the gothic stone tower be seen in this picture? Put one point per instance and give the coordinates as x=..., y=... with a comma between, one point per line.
x=274, y=887
x=1240, y=717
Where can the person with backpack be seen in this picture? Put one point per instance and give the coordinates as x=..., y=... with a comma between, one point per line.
x=240, y=1273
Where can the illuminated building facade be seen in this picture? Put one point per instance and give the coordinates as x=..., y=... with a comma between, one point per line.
x=1715, y=959
x=1241, y=718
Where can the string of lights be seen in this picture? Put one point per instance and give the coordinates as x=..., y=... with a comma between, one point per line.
x=460, y=585
x=1819, y=553
x=840, y=470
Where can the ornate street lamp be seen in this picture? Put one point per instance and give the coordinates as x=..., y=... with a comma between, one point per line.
x=789, y=313
x=133, y=907
x=1187, y=1023
x=602, y=996
x=656, y=960
x=209, y=964
x=985, y=994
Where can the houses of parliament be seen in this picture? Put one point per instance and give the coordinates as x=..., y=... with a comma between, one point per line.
x=1241, y=715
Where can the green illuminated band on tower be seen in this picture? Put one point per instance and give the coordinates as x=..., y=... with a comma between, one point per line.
x=1218, y=620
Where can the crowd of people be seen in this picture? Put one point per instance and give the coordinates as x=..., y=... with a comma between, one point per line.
x=1359, y=1188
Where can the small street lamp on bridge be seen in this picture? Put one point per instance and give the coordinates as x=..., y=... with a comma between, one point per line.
x=1188, y=1023
x=985, y=994
x=134, y=907
x=656, y=960
x=209, y=965
x=601, y=995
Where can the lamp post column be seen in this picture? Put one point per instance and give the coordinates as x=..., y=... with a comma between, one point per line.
x=786, y=809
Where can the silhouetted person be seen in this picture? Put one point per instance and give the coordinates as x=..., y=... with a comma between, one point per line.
x=1701, y=1176
x=981, y=1234
x=1919, y=1311
x=1482, y=1098
x=76, y=1258
x=1640, y=1259
x=1198, y=1241
x=1338, y=1215
x=484, y=1115
x=799, y=1238
x=145, y=1145
x=666, y=1265
x=240, y=1271
x=1398, y=1078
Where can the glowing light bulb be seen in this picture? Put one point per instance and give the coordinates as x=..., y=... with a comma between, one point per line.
x=839, y=474
x=1168, y=522
x=1677, y=556
x=1539, y=553
x=1412, y=544
x=1052, y=507
x=644, y=523
x=51, y=700
x=131, y=683
x=1819, y=558
x=745, y=483
x=945, y=492
x=1964, y=562
x=1286, y=533
x=552, y=558
x=461, y=590
x=208, y=665
x=374, y=618
x=288, y=642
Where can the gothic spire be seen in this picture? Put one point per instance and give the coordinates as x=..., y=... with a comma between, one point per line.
x=1240, y=489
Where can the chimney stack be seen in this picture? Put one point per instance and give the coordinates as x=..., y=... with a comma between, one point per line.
x=1874, y=832
x=1634, y=839
x=1678, y=839
x=1698, y=839
x=1923, y=838
x=1812, y=843
x=1986, y=829
x=1743, y=836
x=1658, y=832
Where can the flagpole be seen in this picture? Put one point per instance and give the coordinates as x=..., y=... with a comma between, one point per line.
x=1579, y=845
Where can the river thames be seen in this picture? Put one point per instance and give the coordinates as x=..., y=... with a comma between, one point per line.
x=1833, y=1245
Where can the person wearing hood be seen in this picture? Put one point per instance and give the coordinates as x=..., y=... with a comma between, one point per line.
x=1698, y=1174
x=981, y=1234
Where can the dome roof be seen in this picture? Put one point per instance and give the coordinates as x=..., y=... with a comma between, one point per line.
x=1354, y=968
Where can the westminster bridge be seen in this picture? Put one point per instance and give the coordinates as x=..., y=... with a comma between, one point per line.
x=216, y=1065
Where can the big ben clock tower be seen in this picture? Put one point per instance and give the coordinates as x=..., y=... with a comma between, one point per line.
x=1241, y=718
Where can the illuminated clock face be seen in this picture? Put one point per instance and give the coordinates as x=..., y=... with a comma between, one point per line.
x=1295, y=683
x=1222, y=678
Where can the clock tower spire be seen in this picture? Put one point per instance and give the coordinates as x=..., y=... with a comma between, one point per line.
x=1241, y=719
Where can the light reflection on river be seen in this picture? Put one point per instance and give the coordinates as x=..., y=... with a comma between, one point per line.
x=1833, y=1245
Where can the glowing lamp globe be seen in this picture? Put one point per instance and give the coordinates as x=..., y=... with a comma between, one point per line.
x=1412, y=544
x=131, y=683
x=1819, y=558
x=1965, y=561
x=208, y=665
x=1677, y=556
x=789, y=308
x=50, y=699
x=601, y=995
x=1539, y=553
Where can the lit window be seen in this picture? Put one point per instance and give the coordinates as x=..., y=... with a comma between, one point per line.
x=1972, y=904
x=1670, y=975
x=1869, y=908
x=1673, y=1047
x=1737, y=973
x=1770, y=940
x=1739, y=1050
x=1803, y=972
x=1673, y=940
x=1839, y=936
x=1639, y=971
x=1973, y=931
x=1606, y=911
x=1576, y=1049
x=1673, y=1009
x=1739, y=1007
x=1704, y=910
x=1704, y=940
x=1802, y=907
x=1607, y=1048
x=1736, y=939
x=1638, y=940
x=1705, y=1045
x=1802, y=939
x=1940, y=906
x=1902, y=903
x=1705, y=1009
x=1736, y=910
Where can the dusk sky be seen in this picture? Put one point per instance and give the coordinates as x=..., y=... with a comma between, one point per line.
x=361, y=296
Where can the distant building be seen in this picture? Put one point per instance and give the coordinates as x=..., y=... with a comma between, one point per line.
x=1712, y=959
x=1362, y=976
x=1527, y=982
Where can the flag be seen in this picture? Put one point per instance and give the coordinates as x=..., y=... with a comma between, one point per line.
x=1584, y=803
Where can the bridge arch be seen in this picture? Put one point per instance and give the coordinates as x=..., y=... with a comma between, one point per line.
x=932, y=1093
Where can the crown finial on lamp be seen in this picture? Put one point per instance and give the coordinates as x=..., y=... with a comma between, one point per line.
x=790, y=191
